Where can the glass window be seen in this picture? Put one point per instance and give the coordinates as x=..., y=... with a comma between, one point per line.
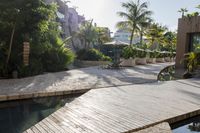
x=195, y=42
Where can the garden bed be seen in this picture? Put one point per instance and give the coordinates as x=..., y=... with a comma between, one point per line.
x=141, y=61
x=128, y=62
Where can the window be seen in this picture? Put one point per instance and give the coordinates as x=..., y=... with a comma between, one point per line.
x=194, y=42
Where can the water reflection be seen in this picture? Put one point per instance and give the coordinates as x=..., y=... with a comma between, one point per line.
x=191, y=125
x=195, y=43
x=195, y=126
x=17, y=116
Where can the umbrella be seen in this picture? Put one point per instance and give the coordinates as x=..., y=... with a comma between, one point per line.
x=116, y=54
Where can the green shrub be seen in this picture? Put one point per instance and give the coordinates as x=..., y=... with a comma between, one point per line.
x=152, y=54
x=193, y=61
x=159, y=54
x=35, y=67
x=92, y=55
x=141, y=53
x=57, y=59
x=128, y=52
x=167, y=54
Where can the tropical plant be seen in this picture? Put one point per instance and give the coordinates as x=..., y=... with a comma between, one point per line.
x=193, y=61
x=155, y=34
x=141, y=54
x=128, y=52
x=92, y=55
x=159, y=54
x=152, y=54
x=57, y=59
x=32, y=21
x=170, y=40
x=183, y=11
x=136, y=15
x=103, y=35
x=88, y=33
x=143, y=26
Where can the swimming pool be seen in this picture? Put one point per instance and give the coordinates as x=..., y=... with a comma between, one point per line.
x=17, y=116
x=191, y=125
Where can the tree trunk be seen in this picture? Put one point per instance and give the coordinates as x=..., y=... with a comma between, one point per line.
x=132, y=33
x=141, y=37
x=10, y=45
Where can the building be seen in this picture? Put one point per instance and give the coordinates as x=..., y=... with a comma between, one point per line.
x=124, y=36
x=69, y=20
x=188, y=40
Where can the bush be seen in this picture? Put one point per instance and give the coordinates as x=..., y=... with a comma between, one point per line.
x=152, y=54
x=57, y=59
x=92, y=55
x=34, y=68
x=141, y=53
x=159, y=54
x=128, y=52
x=193, y=61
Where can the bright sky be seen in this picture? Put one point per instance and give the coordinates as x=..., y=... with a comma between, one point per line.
x=104, y=11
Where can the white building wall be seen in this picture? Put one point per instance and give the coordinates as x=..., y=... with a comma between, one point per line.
x=125, y=36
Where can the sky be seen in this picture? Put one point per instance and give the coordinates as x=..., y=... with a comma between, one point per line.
x=104, y=12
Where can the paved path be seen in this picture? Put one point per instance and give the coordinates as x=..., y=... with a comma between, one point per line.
x=76, y=81
x=125, y=108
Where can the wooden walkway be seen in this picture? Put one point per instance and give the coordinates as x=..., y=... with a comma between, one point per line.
x=125, y=108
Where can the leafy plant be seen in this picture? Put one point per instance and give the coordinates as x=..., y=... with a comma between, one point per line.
x=137, y=16
x=152, y=54
x=128, y=52
x=193, y=61
x=57, y=59
x=35, y=22
x=92, y=55
x=141, y=53
x=159, y=54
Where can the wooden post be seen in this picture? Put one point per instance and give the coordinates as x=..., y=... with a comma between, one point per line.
x=26, y=52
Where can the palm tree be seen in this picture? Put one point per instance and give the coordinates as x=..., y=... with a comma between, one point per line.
x=155, y=33
x=143, y=25
x=136, y=13
x=88, y=33
x=170, y=40
x=183, y=11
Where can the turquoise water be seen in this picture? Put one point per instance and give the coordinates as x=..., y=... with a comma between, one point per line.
x=17, y=116
x=191, y=125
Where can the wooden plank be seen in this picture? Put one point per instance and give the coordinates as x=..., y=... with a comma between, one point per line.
x=125, y=108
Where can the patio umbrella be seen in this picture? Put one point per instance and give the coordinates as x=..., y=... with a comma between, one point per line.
x=115, y=44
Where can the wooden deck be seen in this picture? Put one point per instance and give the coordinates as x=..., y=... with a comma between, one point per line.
x=125, y=108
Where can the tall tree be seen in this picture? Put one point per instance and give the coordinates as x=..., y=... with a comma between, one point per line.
x=33, y=21
x=136, y=13
x=183, y=11
x=155, y=33
x=170, y=39
x=143, y=26
x=88, y=33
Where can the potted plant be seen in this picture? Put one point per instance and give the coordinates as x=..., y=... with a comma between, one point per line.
x=152, y=57
x=141, y=57
x=128, y=55
x=160, y=57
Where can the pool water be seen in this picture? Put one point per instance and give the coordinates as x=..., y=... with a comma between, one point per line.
x=17, y=116
x=191, y=125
